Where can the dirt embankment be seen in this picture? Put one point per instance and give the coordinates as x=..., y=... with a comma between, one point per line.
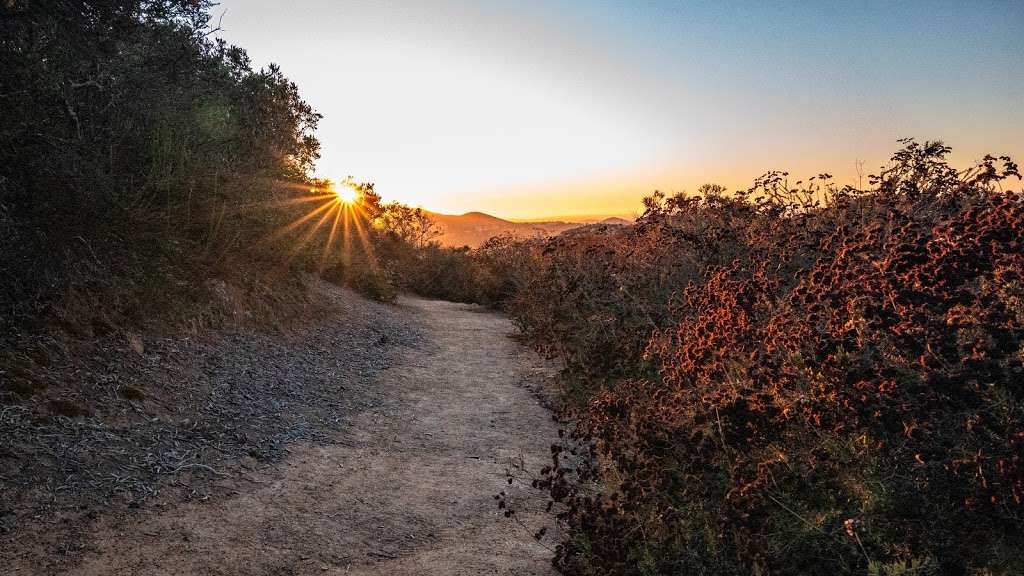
x=371, y=442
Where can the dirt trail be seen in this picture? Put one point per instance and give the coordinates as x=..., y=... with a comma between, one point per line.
x=406, y=488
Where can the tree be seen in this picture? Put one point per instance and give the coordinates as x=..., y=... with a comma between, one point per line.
x=412, y=225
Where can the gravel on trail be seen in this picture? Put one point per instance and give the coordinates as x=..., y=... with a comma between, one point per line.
x=369, y=441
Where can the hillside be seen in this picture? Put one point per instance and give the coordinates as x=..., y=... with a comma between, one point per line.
x=768, y=384
x=474, y=228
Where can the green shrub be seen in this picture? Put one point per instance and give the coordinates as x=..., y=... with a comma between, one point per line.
x=136, y=152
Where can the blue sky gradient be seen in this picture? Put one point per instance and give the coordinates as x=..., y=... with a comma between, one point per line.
x=530, y=108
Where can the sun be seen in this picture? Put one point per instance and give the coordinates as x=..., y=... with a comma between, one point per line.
x=346, y=194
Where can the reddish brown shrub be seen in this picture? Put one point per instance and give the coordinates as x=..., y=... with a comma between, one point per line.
x=837, y=388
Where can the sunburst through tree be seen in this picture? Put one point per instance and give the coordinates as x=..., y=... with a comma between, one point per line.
x=345, y=210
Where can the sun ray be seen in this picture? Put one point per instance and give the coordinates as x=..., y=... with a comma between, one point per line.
x=346, y=238
x=311, y=232
x=330, y=238
x=364, y=240
x=342, y=207
x=305, y=199
x=285, y=230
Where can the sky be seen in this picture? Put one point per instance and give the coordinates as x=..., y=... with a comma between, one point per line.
x=530, y=109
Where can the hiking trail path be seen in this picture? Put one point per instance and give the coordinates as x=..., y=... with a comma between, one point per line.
x=407, y=487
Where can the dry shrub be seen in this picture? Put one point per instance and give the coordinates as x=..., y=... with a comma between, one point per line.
x=797, y=379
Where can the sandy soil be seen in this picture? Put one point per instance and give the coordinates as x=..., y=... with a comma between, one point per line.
x=405, y=487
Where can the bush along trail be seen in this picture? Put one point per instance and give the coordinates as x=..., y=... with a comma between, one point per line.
x=799, y=378
x=371, y=442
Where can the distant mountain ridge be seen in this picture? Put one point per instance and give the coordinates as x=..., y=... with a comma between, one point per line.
x=614, y=221
x=474, y=228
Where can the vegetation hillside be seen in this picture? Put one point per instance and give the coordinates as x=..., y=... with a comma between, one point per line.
x=794, y=379
x=152, y=181
x=137, y=154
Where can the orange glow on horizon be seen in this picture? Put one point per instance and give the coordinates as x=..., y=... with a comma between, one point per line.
x=529, y=110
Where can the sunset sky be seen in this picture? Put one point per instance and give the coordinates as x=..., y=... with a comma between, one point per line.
x=531, y=109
